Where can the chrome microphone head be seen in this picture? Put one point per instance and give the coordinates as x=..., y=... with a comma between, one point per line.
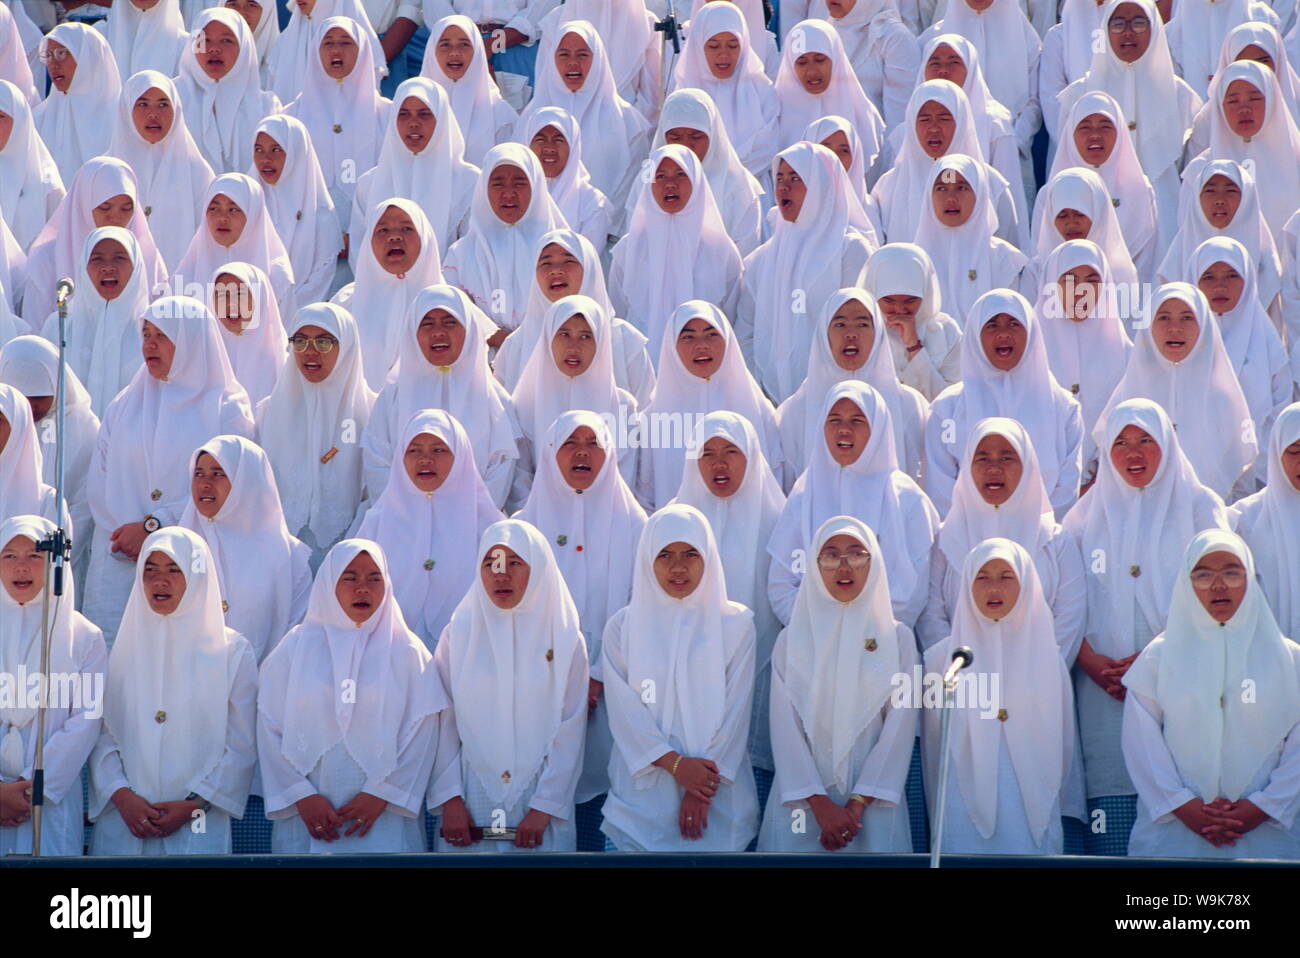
x=64, y=288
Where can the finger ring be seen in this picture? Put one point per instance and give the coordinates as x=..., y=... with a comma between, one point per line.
x=844, y=835
x=690, y=819
x=144, y=821
x=361, y=821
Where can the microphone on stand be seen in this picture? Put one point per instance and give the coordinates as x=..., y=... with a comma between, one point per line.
x=962, y=657
x=63, y=290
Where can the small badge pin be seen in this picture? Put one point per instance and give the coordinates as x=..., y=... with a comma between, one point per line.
x=561, y=540
x=148, y=210
x=156, y=495
x=160, y=716
x=870, y=645
x=1132, y=124
x=225, y=606
x=971, y=274
x=505, y=776
x=428, y=564
x=1114, y=201
x=1074, y=388
x=1002, y=715
x=1135, y=570
x=338, y=128
x=550, y=655
x=334, y=451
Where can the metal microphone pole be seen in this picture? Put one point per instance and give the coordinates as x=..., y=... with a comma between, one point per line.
x=669, y=26
x=945, y=719
x=56, y=547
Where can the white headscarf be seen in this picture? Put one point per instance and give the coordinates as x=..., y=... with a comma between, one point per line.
x=678, y=644
x=1088, y=356
x=1219, y=739
x=805, y=255
x=1035, y=691
x=667, y=258
x=22, y=490
x=466, y=389
x=72, y=124
x=1130, y=190
x=301, y=209
x=252, y=548
x=545, y=392
x=494, y=261
x=346, y=118
x=438, y=178
x=576, y=197
x=156, y=424
x=172, y=173
x=378, y=299
x=267, y=35
x=744, y=100
x=835, y=686
x=1271, y=153
x=177, y=664
x=1196, y=34
x=906, y=269
x=681, y=393
x=1005, y=41
x=28, y=174
x=258, y=243
x=760, y=40
x=150, y=39
x=604, y=116
x=224, y=113
x=510, y=667
x=14, y=65
x=426, y=534
x=1267, y=38
x=1080, y=22
x=820, y=130
x=596, y=528
x=260, y=352
x=742, y=522
x=297, y=49
x=964, y=257
x=381, y=659
x=1133, y=536
x=480, y=109
x=626, y=31
x=986, y=112
x=1082, y=189
x=304, y=423
x=843, y=96
x=1201, y=393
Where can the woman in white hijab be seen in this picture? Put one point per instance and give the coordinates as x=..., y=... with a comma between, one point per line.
x=348, y=773
x=299, y=204
x=924, y=341
x=1261, y=42
x=236, y=228
x=575, y=72
x=553, y=134
x=680, y=776
x=582, y=506
x=854, y=472
x=146, y=38
x=311, y=423
x=297, y=49
x=1005, y=372
x=627, y=29
x=251, y=330
x=1221, y=268
x=1267, y=521
x=760, y=39
x=180, y=710
x=83, y=93
x=435, y=502
x=1004, y=793
x=341, y=107
x=183, y=394
x=510, y=211
x=880, y=47
x=102, y=193
x=1087, y=346
x=442, y=364
x=30, y=364
x=842, y=745
x=999, y=493
x=151, y=137
x=701, y=370
x=718, y=60
x=71, y=728
x=816, y=79
x=1180, y=362
x=1067, y=53
x=221, y=87
x=399, y=257
x=1131, y=527
x=22, y=490
x=102, y=327
x=958, y=229
x=1213, y=762
x=1093, y=138
x=262, y=569
x=838, y=135
x=568, y=265
x=456, y=60
x=676, y=247
x=30, y=184
x=690, y=118
x=15, y=67
x=1197, y=32
x=853, y=345
x=421, y=158
x=1158, y=107
x=514, y=664
x=263, y=19
x=815, y=249
x=731, y=483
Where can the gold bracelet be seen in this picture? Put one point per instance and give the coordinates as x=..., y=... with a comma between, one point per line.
x=673, y=773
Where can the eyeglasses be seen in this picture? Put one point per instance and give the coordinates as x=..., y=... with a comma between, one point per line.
x=323, y=344
x=855, y=560
x=56, y=55
x=1137, y=24
x=1233, y=578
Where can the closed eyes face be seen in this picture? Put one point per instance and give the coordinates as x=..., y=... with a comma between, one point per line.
x=1175, y=330
x=22, y=569
x=671, y=187
x=158, y=350
x=415, y=124
x=232, y=303
x=395, y=241
x=573, y=59
x=209, y=486
x=701, y=347
x=216, y=50
x=1094, y=138
x=163, y=582
x=1072, y=224
x=109, y=268
x=945, y=63
x=679, y=569
x=504, y=575
x=551, y=148
x=225, y=219
x=1136, y=455
x=722, y=53
x=1290, y=464
x=268, y=158
x=791, y=191
x=1220, y=580
x=580, y=458
x=697, y=141
x=813, y=71
x=722, y=466
x=1003, y=339
x=360, y=588
x=1220, y=199
x=1222, y=286
x=559, y=272
x=1078, y=290
x=996, y=469
x=338, y=53
x=851, y=335
x=1244, y=107
x=935, y=128
x=114, y=211
x=1253, y=51
x=838, y=143
x=454, y=52
x=152, y=114
x=573, y=347
x=428, y=460
x=953, y=198
x=509, y=193
x=847, y=431
x=441, y=337
x=995, y=589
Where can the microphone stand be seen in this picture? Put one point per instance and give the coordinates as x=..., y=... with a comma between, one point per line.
x=56, y=546
x=670, y=27
x=945, y=720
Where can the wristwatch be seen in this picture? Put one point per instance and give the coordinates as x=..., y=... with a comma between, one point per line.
x=202, y=802
x=152, y=524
